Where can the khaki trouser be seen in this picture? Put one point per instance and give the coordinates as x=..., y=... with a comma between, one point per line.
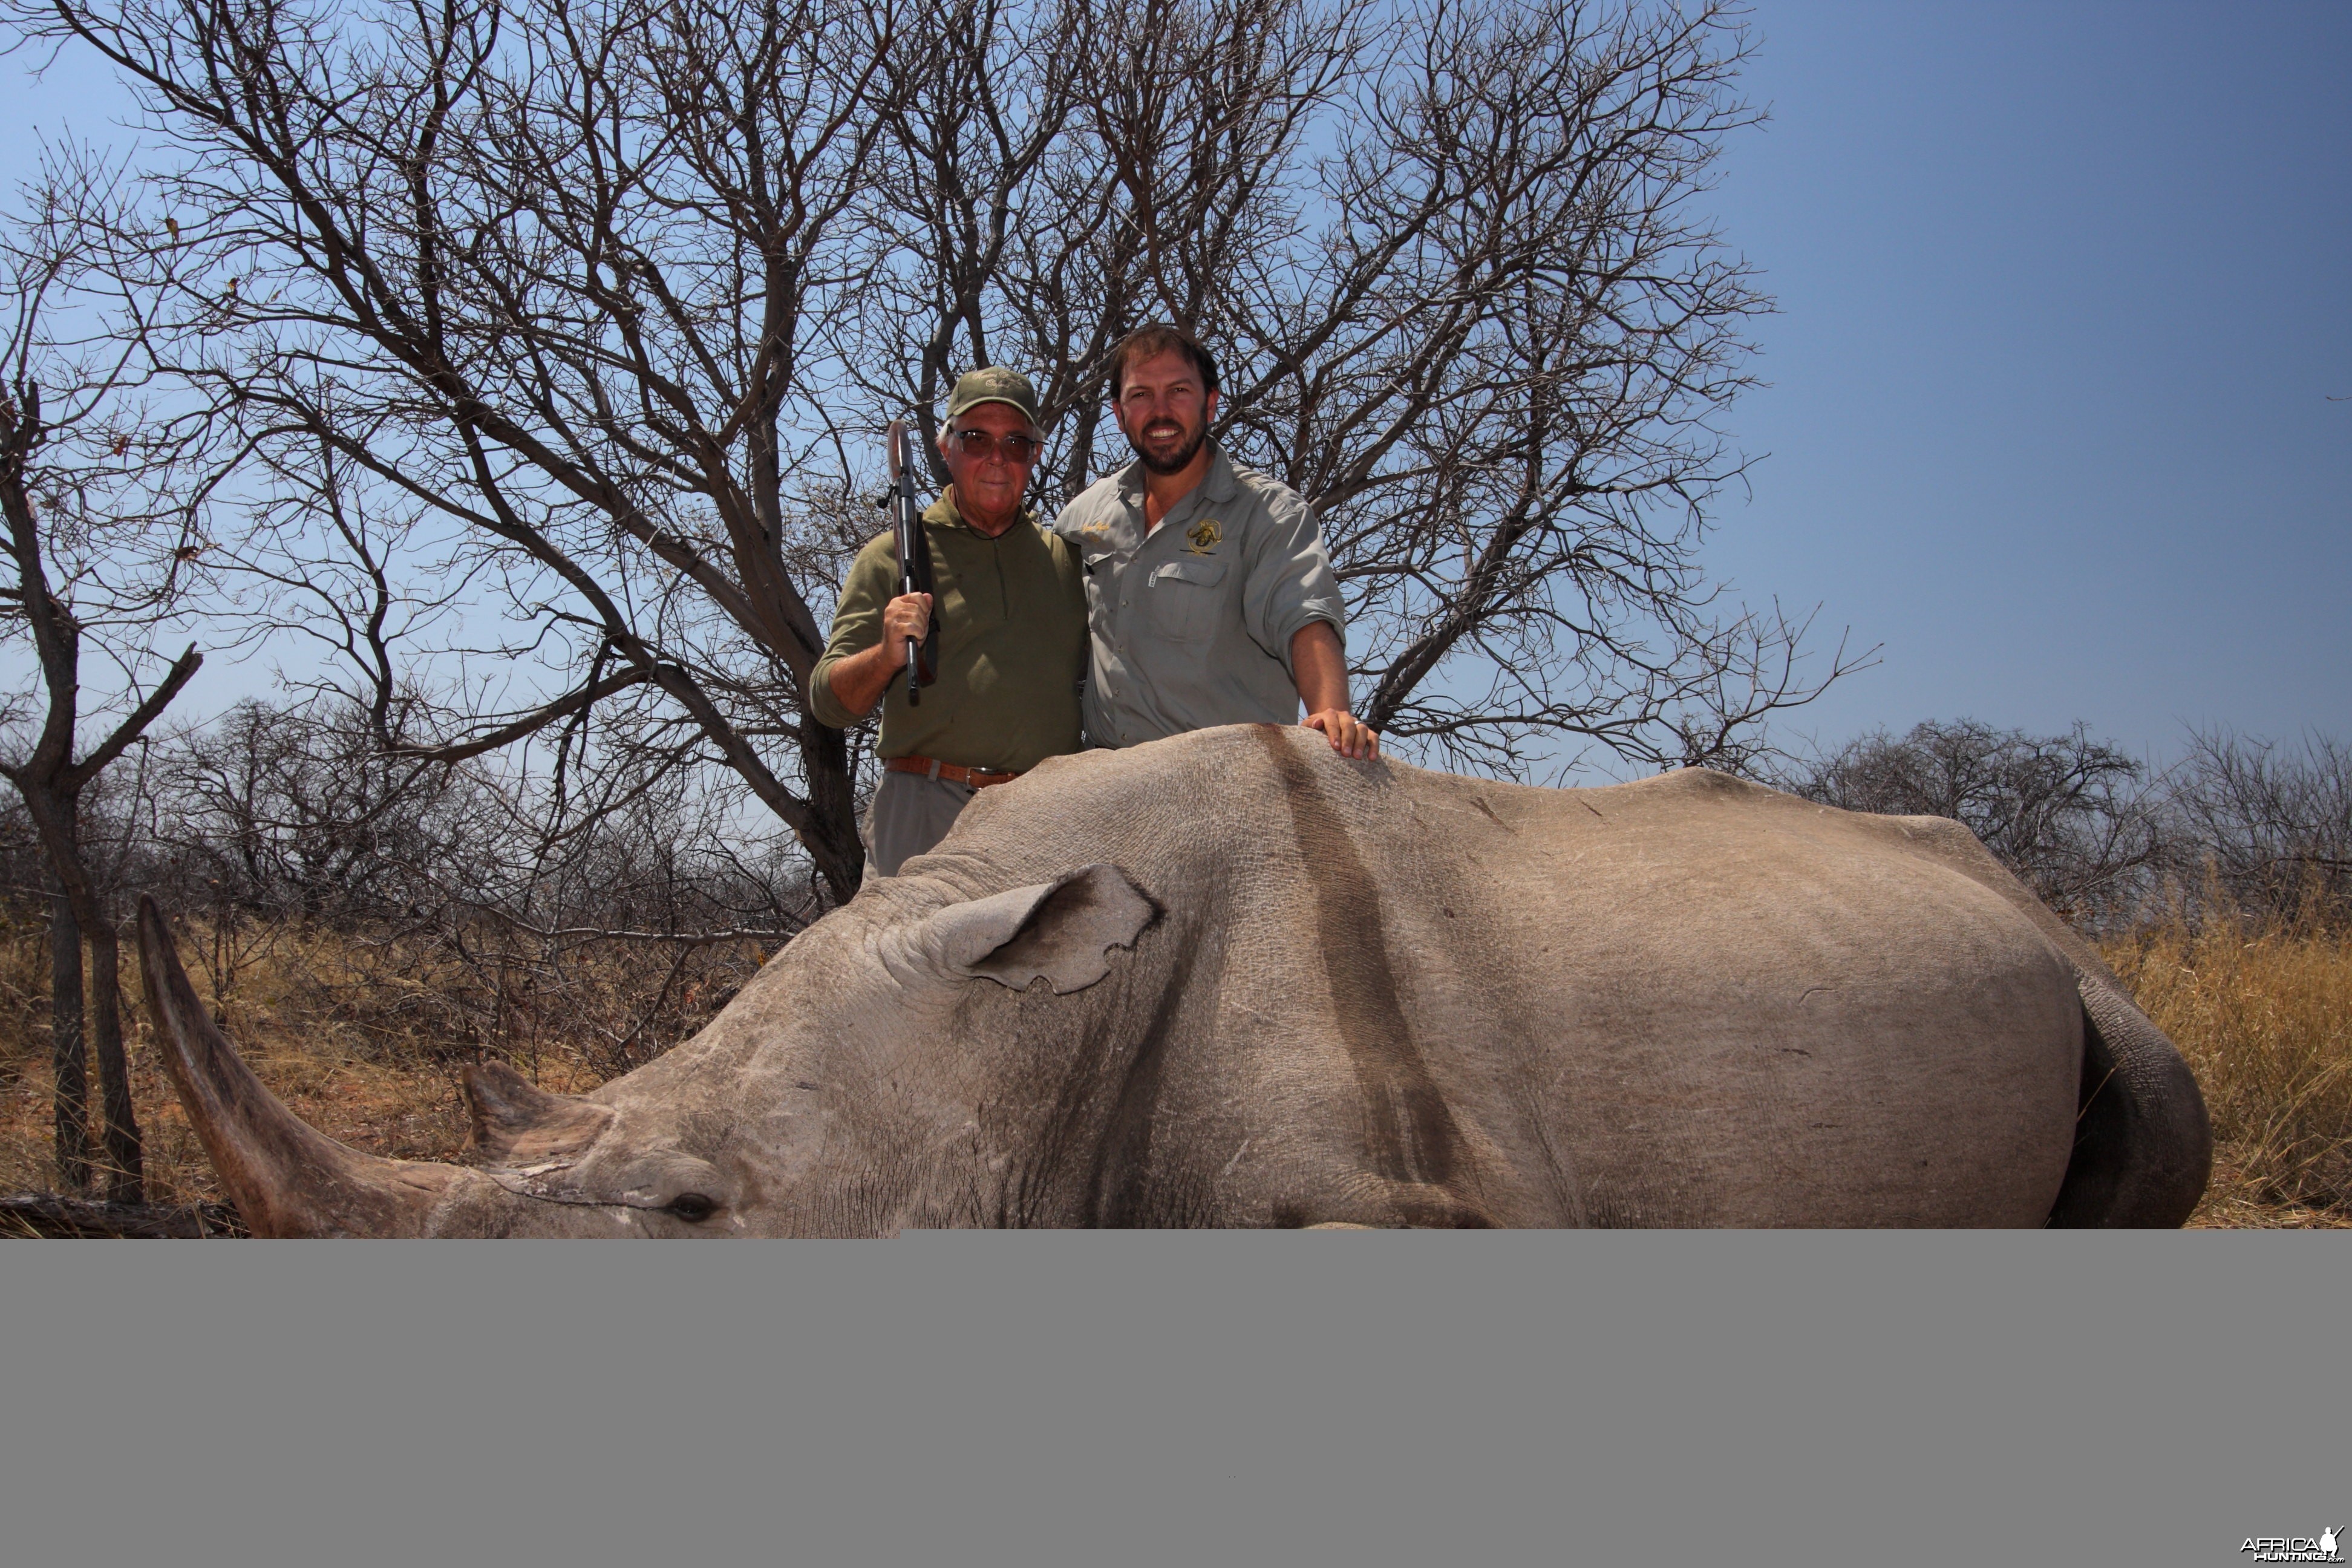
x=910, y=814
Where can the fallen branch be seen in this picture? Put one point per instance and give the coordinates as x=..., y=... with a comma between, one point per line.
x=51, y=1213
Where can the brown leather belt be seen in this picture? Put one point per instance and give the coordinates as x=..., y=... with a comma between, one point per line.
x=931, y=767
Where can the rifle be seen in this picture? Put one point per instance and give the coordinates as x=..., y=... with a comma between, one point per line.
x=914, y=551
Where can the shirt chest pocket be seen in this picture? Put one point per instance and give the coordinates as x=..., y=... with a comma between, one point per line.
x=1184, y=598
x=1102, y=575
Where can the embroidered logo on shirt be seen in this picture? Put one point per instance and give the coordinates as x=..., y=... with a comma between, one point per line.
x=1206, y=535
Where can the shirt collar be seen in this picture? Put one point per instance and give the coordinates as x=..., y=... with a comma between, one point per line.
x=1130, y=483
x=943, y=512
x=1219, y=486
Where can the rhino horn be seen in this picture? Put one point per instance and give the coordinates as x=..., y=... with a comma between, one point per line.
x=517, y=1122
x=285, y=1177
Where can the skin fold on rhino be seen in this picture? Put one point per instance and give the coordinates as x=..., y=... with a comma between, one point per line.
x=1233, y=979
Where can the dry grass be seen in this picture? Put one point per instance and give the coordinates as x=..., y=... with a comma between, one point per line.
x=2265, y=1015
x=365, y=1042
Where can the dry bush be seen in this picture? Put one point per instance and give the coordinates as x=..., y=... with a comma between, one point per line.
x=2255, y=826
x=2263, y=1012
x=2069, y=815
x=593, y=1008
x=362, y=1037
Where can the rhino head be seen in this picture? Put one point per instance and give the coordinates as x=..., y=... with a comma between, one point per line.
x=741, y=1130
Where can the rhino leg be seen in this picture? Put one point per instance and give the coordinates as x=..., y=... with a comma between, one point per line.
x=2143, y=1147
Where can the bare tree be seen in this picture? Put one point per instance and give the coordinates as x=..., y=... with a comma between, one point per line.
x=555, y=322
x=2273, y=824
x=1449, y=258
x=547, y=273
x=471, y=910
x=1020, y=211
x=2072, y=817
x=99, y=483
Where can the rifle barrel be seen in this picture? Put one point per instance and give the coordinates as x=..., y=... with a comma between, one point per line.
x=905, y=521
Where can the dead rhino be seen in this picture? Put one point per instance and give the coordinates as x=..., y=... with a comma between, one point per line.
x=1233, y=979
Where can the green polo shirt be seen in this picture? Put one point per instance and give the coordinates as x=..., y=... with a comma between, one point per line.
x=1011, y=613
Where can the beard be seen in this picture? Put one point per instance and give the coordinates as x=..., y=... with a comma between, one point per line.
x=1162, y=455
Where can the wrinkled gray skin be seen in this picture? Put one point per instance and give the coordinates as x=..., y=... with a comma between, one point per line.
x=1276, y=987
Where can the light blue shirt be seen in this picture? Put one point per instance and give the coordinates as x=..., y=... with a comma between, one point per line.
x=1190, y=626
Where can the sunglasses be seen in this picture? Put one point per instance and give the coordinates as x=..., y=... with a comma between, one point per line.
x=1015, y=450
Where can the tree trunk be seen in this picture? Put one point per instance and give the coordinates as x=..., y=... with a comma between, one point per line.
x=840, y=857
x=78, y=913
x=66, y=1054
x=125, y=1164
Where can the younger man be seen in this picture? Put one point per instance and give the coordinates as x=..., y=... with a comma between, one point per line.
x=1210, y=594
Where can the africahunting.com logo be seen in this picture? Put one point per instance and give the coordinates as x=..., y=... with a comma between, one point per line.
x=2320, y=1548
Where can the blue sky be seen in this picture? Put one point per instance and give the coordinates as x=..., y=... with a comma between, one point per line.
x=2064, y=292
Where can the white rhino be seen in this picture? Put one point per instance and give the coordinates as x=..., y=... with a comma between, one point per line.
x=1233, y=979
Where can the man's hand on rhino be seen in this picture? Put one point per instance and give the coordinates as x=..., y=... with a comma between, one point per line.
x=1349, y=736
x=1320, y=664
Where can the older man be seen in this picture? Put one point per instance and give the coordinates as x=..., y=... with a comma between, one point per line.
x=1209, y=595
x=1012, y=632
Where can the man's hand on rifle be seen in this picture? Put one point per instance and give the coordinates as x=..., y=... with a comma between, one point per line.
x=860, y=679
x=908, y=615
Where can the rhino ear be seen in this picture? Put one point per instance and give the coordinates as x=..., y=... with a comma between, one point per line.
x=1062, y=929
x=515, y=1122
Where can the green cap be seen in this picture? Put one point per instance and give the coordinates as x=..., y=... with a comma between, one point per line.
x=995, y=384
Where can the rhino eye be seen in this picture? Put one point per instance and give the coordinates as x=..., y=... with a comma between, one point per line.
x=692, y=1207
